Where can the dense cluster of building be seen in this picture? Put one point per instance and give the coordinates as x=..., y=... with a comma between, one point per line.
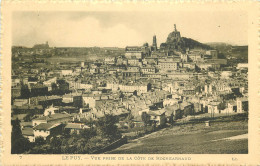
x=161, y=83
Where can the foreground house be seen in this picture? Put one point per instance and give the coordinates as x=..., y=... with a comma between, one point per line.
x=55, y=118
x=28, y=133
x=232, y=106
x=75, y=127
x=46, y=129
x=213, y=108
x=158, y=117
x=173, y=112
x=187, y=108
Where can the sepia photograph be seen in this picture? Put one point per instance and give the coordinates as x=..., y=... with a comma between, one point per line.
x=129, y=83
x=124, y=82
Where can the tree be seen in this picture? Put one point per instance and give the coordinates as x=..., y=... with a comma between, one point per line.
x=25, y=92
x=221, y=56
x=129, y=117
x=145, y=44
x=88, y=133
x=29, y=116
x=188, y=111
x=121, y=95
x=91, y=123
x=39, y=141
x=131, y=124
x=16, y=128
x=229, y=96
x=245, y=106
x=154, y=126
x=197, y=69
x=106, y=127
x=54, y=86
x=81, y=146
x=145, y=118
x=222, y=105
x=55, y=143
x=129, y=120
x=149, y=86
x=171, y=121
x=19, y=144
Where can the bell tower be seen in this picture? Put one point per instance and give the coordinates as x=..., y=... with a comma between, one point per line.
x=154, y=42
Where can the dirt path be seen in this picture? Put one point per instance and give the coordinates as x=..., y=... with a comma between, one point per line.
x=237, y=137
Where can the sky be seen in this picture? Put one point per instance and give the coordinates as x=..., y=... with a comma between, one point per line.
x=121, y=29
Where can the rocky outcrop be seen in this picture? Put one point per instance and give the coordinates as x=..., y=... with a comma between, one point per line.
x=176, y=42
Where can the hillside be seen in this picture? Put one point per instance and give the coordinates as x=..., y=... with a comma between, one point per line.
x=195, y=44
x=222, y=137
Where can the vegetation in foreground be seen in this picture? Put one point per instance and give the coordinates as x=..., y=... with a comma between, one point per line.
x=87, y=141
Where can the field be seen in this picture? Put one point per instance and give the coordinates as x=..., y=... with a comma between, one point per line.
x=225, y=135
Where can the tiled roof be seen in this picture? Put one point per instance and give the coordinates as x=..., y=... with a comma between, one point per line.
x=73, y=126
x=54, y=116
x=27, y=132
x=46, y=126
x=27, y=107
x=242, y=99
x=26, y=123
x=157, y=112
x=19, y=116
x=184, y=104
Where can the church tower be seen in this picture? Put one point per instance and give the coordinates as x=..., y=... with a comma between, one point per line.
x=154, y=43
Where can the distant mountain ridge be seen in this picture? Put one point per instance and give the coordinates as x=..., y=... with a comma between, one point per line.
x=232, y=51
